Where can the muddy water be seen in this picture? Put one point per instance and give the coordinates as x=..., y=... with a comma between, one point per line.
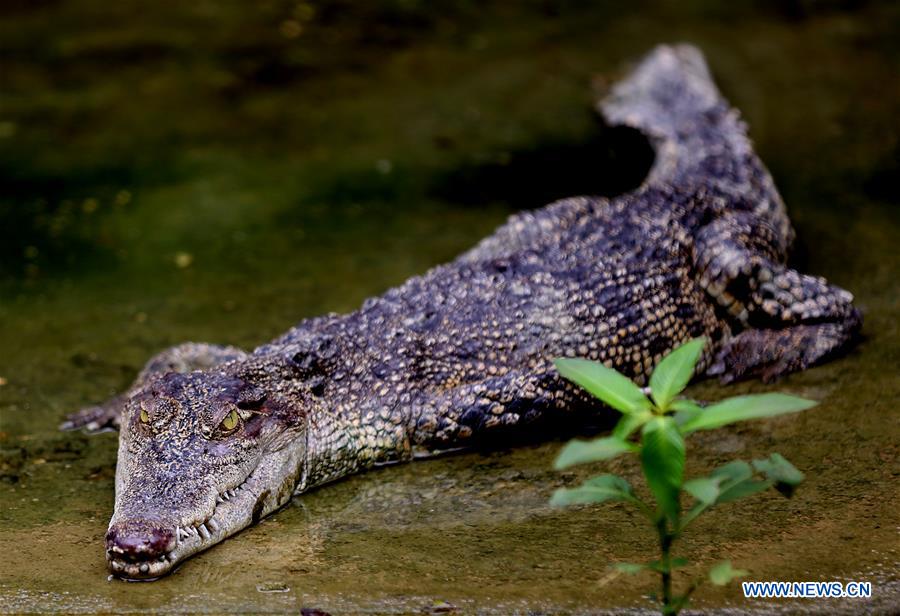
x=216, y=174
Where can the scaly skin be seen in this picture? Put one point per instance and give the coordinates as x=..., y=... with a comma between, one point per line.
x=456, y=355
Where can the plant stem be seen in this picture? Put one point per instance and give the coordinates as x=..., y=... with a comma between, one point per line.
x=665, y=544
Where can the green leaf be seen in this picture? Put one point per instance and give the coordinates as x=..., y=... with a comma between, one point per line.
x=784, y=474
x=598, y=489
x=742, y=408
x=742, y=489
x=582, y=452
x=685, y=405
x=662, y=460
x=613, y=388
x=692, y=513
x=629, y=423
x=736, y=481
x=685, y=410
x=722, y=573
x=733, y=472
x=672, y=374
x=704, y=489
x=630, y=568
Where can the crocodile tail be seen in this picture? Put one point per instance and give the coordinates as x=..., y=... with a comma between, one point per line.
x=699, y=139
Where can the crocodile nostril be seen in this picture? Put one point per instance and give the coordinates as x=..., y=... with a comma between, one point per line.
x=139, y=540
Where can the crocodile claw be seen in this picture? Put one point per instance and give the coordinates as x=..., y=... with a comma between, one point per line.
x=94, y=419
x=770, y=354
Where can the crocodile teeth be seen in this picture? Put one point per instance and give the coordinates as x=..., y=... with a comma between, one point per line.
x=204, y=532
x=183, y=534
x=212, y=525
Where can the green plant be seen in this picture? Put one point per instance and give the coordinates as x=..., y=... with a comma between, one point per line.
x=663, y=420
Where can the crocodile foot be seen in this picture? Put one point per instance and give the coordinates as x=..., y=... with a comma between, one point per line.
x=773, y=353
x=95, y=419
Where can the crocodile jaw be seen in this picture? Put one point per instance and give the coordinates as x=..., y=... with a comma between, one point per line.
x=268, y=487
x=228, y=517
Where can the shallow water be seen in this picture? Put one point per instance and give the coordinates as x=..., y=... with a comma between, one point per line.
x=211, y=173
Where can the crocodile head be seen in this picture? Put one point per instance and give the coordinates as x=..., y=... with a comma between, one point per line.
x=201, y=456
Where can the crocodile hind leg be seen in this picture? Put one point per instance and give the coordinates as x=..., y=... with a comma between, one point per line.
x=789, y=321
x=771, y=353
x=182, y=358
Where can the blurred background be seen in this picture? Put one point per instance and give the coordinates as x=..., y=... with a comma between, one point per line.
x=218, y=170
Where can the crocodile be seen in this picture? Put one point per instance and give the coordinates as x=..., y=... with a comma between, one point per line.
x=213, y=438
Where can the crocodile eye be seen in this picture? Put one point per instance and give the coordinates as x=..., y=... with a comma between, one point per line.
x=145, y=417
x=230, y=422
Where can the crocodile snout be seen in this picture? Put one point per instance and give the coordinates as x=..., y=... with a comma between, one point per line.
x=139, y=541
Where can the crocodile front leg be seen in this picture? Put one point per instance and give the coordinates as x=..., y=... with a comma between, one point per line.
x=182, y=358
x=468, y=413
x=789, y=321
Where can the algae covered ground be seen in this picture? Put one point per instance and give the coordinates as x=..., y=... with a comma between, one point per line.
x=216, y=171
